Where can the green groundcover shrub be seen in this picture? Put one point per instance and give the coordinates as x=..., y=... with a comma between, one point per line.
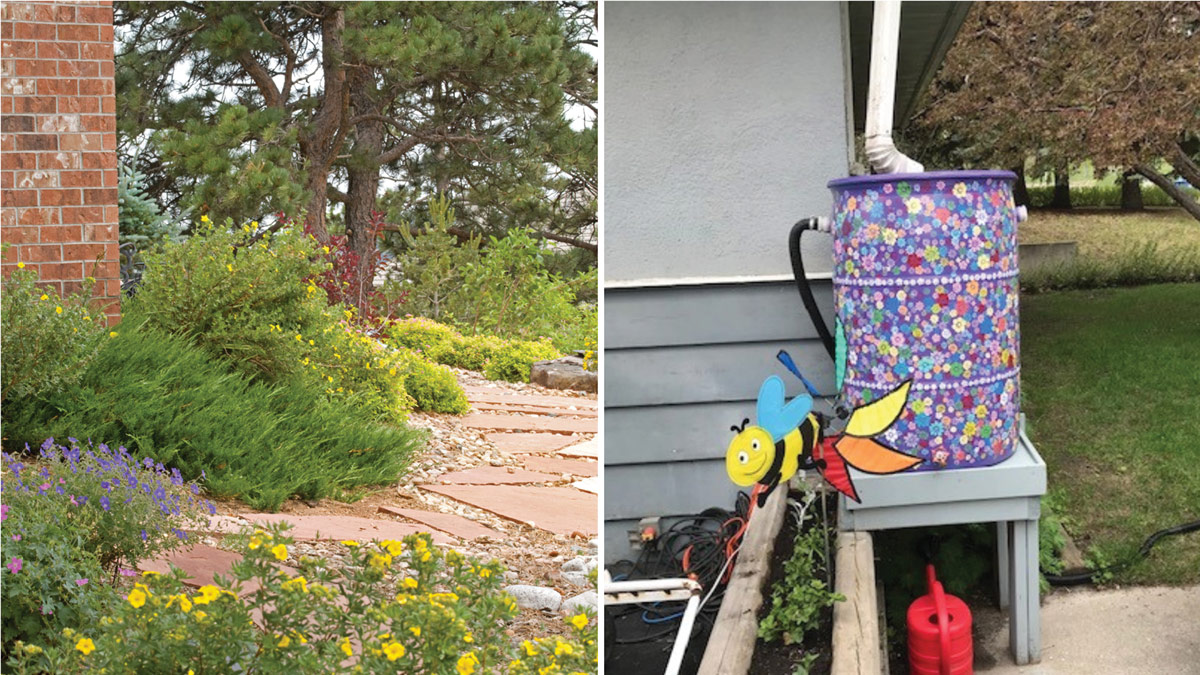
x=73, y=522
x=166, y=399
x=497, y=358
x=432, y=386
x=256, y=307
x=46, y=340
x=397, y=606
x=1137, y=265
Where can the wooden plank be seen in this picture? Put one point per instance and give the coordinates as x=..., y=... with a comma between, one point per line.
x=711, y=314
x=709, y=373
x=731, y=645
x=856, y=649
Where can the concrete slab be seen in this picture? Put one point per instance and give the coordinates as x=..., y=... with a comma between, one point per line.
x=344, y=527
x=496, y=475
x=1151, y=629
x=591, y=485
x=557, y=425
x=515, y=443
x=557, y=465
x=457, y=526
x=555, y=509
x=589, y=449
x=536, y=409
x=486, y=395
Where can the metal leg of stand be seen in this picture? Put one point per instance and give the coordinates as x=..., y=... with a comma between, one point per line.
x=1002, y=550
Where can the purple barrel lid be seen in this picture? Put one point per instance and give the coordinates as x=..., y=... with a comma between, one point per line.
x=880, y=178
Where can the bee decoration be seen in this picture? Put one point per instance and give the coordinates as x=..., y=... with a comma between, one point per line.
x=789, y=436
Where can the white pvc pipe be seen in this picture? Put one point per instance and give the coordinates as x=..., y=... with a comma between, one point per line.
x=881, y=93
x=640, y=585
x=683, y=636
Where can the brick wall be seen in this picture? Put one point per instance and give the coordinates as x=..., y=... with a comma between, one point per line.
x=58, y=143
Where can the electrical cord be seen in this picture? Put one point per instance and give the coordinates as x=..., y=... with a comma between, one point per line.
x=1089, y=577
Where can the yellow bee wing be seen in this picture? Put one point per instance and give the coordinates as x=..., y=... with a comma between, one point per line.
x=868, y=456
x=875, y=417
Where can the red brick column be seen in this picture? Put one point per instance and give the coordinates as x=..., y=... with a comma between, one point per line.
x=58, y=146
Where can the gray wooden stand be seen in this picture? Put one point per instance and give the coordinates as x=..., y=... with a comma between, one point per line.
x=1008, y=494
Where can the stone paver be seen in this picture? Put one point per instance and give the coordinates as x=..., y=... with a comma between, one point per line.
x=344, y=527
x=535, y=410
x=516, y=443
x=199, y=561
x=555, y=509
x=496, y=475
x=1149, y=629
x=558, y=465
x=484, y=395
x=589, y=449
x=449, y=523
x=558, y=425
x=591, y=485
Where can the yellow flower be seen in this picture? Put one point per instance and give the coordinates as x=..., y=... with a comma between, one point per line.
x=561, y=648
x=86, y=646
x=207, y=594
x=960, y=190
x=298, y=338
x=485, y=573
x=425, y=556
x=285, y=642
x=416, y=630
x=254, y=224
x=137, y=598
x=410, y=582
x=298, y=582
x=466, y=664
x=392, y=371
x=346, y=648
x=530, y=649
x=204, y=219
x=325, y=249
x=200, y=615
x=184, y=603
x=393, y=547
x=394, y=650
x=112, y=333
x=351, y=544
x=579, y=621
x=280, y=551
x=914, y=205
x=468, y=638
x=58, y=309
x=45, y=297
x=381, y=562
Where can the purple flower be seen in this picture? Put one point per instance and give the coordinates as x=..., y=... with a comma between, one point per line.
x=81, y=582
x=16, y=537
x=73, y=502
x=3, y=512
x=107, y=486
x=44, y=486
x=143, y=535
x=127, y=572
x=104, y=503
x=14, y=565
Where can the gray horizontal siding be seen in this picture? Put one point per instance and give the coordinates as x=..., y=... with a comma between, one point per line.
x=698, y=315
x=669, y=406
x=673, y=433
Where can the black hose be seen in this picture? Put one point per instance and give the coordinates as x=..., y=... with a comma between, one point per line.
x=1087, y=577
x=806, y=295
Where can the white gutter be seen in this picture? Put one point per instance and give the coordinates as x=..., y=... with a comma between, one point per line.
x=881, y=93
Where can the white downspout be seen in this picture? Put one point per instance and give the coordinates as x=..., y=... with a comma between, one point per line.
x=881, y=93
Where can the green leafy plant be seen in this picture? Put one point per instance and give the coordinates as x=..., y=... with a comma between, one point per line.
x=47, y=340
x=397, y=606
x=799, y=598
x=76, y=517
x=260, y=442
x=512, y=363
x=437, y=342
x=433, y=386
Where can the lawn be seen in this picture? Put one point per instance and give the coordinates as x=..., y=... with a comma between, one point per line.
x=1111, y=386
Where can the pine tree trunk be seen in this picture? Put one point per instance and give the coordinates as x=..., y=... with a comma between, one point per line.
x=1062, y=188
x=1182, y=198
x=1131, y=191
x=1020, y=188
x=361, y=198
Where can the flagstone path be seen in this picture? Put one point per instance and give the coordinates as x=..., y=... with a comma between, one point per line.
x=548, y=483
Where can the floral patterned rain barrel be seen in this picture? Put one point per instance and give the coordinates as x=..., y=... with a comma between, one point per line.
x=925, y=285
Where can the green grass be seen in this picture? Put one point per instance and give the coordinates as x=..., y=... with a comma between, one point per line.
x=1111, y=384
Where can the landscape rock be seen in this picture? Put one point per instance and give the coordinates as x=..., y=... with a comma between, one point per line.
x=535, y=597
x=578, y=603
x=564, y=373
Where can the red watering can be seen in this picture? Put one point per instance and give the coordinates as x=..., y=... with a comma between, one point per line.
x=939, y=633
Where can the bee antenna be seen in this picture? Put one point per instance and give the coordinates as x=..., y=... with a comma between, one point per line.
x=744, y=423
x=735, y=428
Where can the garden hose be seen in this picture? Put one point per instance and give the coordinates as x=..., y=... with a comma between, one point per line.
x=1089, y=577
x=810, y=303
